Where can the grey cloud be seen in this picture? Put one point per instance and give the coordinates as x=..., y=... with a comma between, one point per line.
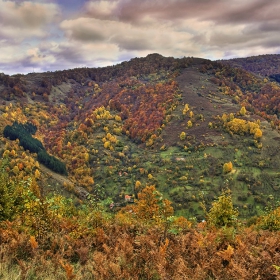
x=219, y=11
x=248, y=12
x=69, y=54
x=133, y=11
x=165, y=10
x=223, y=39
x=65, y=59
x=26, y=20
x=274, y=43
x=23, y=65
x=120, y=34
x=269, y=26
x=132, y=43
x=262, y=28
x=191, y=25
x=84, y=29
x=85, y=34
x=238, y=41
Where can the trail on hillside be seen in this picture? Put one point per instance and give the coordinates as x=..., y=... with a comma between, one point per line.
x=62, y=180
x=59, y=178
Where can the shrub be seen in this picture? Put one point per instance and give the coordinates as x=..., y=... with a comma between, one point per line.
x=271, y=220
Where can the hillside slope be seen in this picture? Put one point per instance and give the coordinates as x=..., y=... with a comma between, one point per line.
x=263, y=65
x=172, y=123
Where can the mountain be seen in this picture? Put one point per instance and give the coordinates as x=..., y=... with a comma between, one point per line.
x=192, y=127
x=156, y=168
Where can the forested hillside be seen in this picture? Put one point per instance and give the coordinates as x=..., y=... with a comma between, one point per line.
x=263, y=65
x=156, y=168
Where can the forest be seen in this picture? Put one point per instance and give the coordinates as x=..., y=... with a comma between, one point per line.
x=155, y=168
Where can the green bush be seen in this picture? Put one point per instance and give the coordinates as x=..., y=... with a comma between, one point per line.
x=270, y=220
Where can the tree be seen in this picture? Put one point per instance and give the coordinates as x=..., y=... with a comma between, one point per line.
x=227, y=167
x=222, y=212
x=151, y=205
x=37, y=174
x=258, y=134
x=183, y=135
x=243, y=111
x=186, y=109
x=23, y=132
x=6, y=200
x=51, y=162
x=137, y=184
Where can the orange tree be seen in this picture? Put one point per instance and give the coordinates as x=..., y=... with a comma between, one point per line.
x=151, y=206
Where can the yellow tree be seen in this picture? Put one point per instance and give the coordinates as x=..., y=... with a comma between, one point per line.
x=189, y=124
x=183, y=135
x=227, y=167
x=186, y=109
x=242, y=111
x=222, y=212
x=258, y=134
x=37, y=174
x=137, y=185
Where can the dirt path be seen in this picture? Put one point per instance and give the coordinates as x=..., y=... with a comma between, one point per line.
x=62, y=180
x=59, y=178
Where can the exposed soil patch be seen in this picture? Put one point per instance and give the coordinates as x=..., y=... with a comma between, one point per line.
x=205, y=101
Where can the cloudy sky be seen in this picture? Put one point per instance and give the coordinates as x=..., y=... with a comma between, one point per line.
x=48, y=35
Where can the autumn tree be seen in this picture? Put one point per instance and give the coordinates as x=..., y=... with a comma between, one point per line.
x=222, y=213
x=243, y=111
x=183, y=135
x=258, y=134
x=7, y=199
x=150, y=205
x=186, y=109
x=227, y=167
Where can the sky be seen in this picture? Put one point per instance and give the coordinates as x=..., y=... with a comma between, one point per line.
x=41, y=35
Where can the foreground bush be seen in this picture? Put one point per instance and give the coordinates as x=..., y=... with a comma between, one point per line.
x=50, y=238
